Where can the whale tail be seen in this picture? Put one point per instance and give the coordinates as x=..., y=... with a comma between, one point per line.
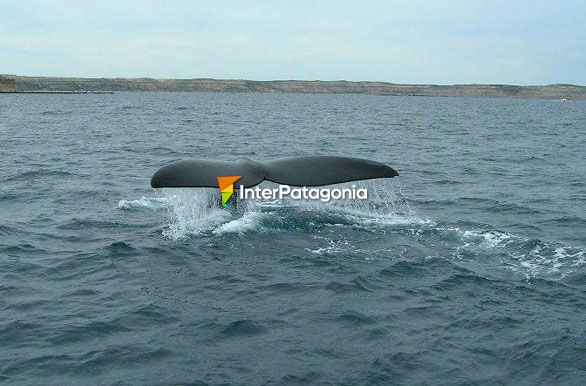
x=296, y=171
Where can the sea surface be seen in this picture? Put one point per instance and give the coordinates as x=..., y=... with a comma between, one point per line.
x=468, y=268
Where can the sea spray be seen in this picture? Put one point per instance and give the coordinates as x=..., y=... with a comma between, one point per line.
x=195, y=211
x=192, y=211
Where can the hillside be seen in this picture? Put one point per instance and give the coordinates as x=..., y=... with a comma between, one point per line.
x=559, y=91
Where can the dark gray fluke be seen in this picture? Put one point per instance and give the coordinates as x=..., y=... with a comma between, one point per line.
x=297, y=171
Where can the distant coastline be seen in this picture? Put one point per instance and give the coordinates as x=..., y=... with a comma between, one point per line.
x=88, y=85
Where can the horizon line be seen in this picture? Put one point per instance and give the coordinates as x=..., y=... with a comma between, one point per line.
x=290, y=80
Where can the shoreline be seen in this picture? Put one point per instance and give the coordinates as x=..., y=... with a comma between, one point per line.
x=56, y=92
x=51, y=85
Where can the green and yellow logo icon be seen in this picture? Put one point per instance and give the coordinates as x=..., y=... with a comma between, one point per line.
x=226, y=185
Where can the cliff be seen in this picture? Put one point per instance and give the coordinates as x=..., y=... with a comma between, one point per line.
x=7, y=84
x=557, y=91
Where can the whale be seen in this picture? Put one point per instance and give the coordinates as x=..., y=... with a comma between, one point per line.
x=295, y=171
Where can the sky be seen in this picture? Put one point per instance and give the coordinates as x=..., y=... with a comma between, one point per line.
x=441, y=42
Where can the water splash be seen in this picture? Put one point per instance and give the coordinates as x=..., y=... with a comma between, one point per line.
x=192, y=211
x=386, y=205
x=197, y=211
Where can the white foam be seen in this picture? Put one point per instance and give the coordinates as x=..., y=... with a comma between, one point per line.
x=191, y=212
x=196, y=211
x=491, y=239
x=546, y=260
x=333, y=248
x=249, y=221
x=487, y=239
x=143, y=202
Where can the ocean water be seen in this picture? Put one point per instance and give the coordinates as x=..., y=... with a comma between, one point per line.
x=467, y=269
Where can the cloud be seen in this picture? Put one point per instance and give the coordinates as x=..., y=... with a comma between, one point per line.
x=399, y=41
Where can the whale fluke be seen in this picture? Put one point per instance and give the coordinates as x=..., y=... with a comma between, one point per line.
x=296, y=171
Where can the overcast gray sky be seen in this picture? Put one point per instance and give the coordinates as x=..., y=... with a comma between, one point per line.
x=417, y=41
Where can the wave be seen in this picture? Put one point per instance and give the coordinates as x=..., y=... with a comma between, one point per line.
x=38, y=173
